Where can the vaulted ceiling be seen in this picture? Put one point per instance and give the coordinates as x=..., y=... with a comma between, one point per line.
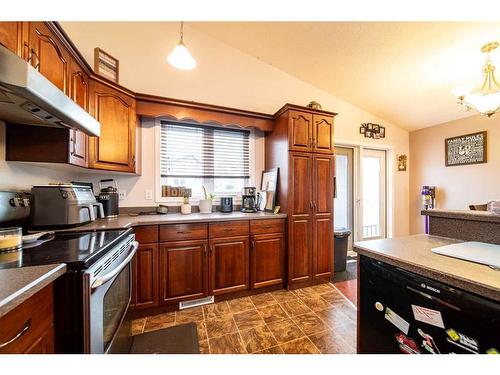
x=402, y=72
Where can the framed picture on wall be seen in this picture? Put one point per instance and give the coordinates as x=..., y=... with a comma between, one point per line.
x=106, y=65
x=466, y=149
x=269, y=189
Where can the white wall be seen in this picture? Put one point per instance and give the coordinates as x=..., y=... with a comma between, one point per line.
x=224, y=76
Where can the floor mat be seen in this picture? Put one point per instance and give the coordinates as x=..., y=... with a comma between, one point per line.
x=181, y=339
x=350, y=272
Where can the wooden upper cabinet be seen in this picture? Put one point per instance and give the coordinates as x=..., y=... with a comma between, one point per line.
x=322, y=134
x=48, y=55
x=183, y=271
x=300, y=131
x=229, y=265
x=11, y=36
x=115, y=148
x=79, y=92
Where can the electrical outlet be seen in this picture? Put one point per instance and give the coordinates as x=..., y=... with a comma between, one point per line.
x=149, y=195
x=122, y=194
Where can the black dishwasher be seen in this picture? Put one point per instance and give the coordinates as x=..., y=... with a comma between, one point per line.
x=402, y=312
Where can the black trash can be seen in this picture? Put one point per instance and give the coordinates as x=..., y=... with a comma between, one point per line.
x=340, y=249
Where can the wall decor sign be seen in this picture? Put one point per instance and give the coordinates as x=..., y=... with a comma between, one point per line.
x=175, y=191
x=402, y=163
x=106, y=65
x=370, y=130
x=466, y=149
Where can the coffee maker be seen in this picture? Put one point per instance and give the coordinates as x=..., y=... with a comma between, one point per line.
x=248, y=200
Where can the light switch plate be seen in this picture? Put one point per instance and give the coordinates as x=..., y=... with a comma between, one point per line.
x=149, y=194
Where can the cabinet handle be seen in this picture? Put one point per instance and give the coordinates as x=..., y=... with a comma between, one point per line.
x=181, y=232
x=311, y=206
x=253, y=245
x=205, y=249
x=27, y=326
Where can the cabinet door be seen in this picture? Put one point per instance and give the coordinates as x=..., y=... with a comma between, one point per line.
x=229, y=265
x=323, y=134
x=324, y=171
x=267, y=260
x=79, y=92
x=300, y=128
x=145, y=277
x=115, y=148
x=183, y=271
x=47, y=55
x=300, y=217
x=11, y=36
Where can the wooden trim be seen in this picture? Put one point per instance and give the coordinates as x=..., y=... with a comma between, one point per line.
x=299, y=108
x=201, y=113
x=57, y=29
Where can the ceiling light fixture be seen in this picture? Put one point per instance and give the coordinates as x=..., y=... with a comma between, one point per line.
x=485, y=98
x=180, y=57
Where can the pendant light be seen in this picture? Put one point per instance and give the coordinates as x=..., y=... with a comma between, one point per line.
x=485, y=97
x=180, y=57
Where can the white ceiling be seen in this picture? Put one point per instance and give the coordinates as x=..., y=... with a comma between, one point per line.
x=400, y=71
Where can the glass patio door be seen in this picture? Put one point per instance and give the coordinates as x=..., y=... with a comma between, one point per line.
x=373, y=177
x=343, y=202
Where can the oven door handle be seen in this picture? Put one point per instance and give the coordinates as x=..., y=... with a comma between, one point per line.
x=104, y=279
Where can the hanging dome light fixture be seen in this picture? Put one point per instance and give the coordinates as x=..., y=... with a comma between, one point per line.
x=180, y=57
x=485, y=98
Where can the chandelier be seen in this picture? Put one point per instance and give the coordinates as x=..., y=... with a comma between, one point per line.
x=484, y=98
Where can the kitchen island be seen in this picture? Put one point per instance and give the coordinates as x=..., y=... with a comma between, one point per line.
x=412, y=300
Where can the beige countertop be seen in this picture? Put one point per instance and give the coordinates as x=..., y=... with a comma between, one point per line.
x=125, y=221
x=413, y=253
x=463, y=215
x=19, y=284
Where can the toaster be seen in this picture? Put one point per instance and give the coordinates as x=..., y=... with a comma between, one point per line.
x=63, y=205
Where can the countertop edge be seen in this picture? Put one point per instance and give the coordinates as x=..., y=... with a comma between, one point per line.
x=24, y=293
x=483, y=216
x=444, y=277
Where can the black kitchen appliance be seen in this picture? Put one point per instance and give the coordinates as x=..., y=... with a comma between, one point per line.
x=402, y=312
x=248, y=200
x=109, y=198
x=226, y=204
x=93, y=296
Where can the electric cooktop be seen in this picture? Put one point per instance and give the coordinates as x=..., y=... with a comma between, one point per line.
x=79, y=250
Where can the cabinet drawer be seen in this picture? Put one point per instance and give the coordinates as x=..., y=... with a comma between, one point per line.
x=33, y=316
x=267, y=226
x=146, y=233
x=178, y=232
x=228, y=229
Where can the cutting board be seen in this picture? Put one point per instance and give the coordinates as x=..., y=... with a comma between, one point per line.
x=478, y=252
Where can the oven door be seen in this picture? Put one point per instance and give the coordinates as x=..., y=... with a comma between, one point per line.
x=107, y=291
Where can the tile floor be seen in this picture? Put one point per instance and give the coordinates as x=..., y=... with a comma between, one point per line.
x=311, y=320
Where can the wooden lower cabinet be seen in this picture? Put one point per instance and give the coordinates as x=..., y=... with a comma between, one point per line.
x=229, y=265
x=183, y=271
x=323, y=248
x=267, y=259
x=29, y=328
x=145, y=277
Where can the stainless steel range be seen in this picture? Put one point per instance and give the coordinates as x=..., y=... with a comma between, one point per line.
x=92, y=299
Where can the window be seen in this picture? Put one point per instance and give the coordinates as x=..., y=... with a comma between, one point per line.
x=194, y=156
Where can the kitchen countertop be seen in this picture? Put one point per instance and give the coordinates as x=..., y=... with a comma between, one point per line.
x=413, y=253
x=463, y=215
x=125, y=221
x=19, y=284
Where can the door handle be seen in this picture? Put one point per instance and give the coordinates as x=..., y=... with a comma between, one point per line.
x=104, y=279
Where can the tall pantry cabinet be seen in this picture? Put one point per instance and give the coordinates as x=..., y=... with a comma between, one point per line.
x=301, y=146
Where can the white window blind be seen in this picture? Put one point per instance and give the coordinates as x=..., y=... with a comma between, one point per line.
x=193, y=151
